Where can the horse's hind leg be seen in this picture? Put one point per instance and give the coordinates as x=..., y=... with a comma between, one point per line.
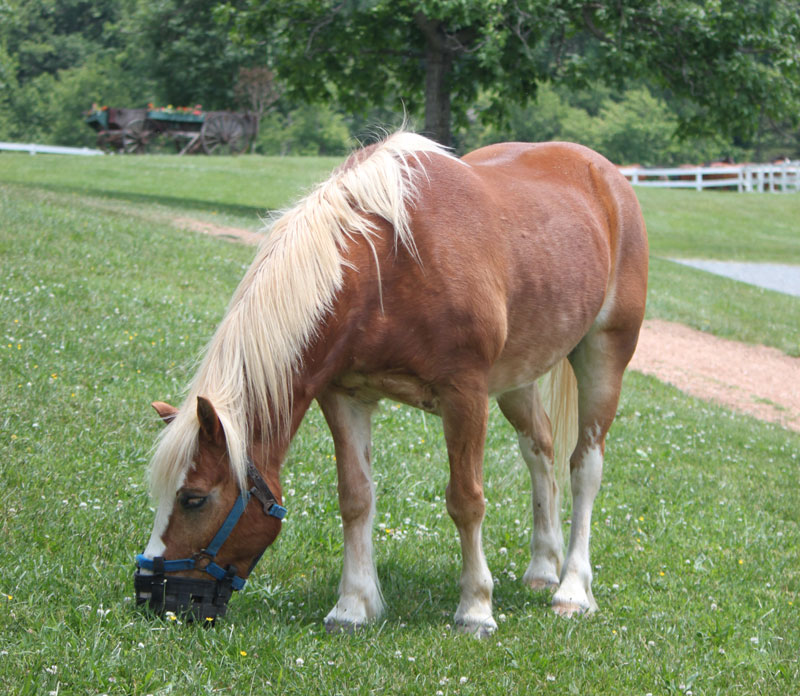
x=465, y=414
x=523, y=409
x=599, y=362
x=360, y=599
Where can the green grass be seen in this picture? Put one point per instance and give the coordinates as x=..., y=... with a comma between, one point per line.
x=722, y=225
x=723, y=307
x=712, y=225
x=245, y=186
x=103, y=308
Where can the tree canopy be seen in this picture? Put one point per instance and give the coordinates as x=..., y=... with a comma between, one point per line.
x=621, y=77
x=726, y=63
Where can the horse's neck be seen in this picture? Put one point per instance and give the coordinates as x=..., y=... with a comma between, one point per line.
x=269, y=448
x=320, y=362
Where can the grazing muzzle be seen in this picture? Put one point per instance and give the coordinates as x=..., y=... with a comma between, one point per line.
x=199, y=599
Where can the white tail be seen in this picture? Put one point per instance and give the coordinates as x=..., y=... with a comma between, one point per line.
x=559, y=390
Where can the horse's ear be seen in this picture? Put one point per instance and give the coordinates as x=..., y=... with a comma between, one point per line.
x=167, y=412
x=210, y=424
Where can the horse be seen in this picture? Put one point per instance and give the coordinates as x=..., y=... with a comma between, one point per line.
x=438, y=282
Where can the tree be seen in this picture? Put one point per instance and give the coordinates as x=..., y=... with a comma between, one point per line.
x=361, y=52
x=187, y=52
x=257, y=91
x=45, y=36
x=729, y=63
x=56, y=58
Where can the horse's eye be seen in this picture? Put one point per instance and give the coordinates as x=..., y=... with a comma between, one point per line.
x=192, y=502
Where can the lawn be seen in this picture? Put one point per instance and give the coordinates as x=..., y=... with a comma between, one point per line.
x=104, y=307
x=234, y=190
x=722, y=225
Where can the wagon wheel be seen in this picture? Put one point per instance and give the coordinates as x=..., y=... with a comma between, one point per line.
x=103, y=141
x=224, y=134
x=135, y=137
x=162, y=142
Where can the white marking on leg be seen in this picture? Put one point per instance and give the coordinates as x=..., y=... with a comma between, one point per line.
x=360, y=597
x=547, y=541
x=474, y=611
x=574, y=594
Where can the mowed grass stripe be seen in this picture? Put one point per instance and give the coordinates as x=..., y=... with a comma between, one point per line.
x=709, y=224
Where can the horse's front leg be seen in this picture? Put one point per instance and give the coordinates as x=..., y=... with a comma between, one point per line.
x=465, y=413
x=360, y=598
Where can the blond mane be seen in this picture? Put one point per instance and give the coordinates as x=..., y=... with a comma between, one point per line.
x=247, y=368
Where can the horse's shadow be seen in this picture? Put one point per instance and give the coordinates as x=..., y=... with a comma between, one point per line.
x=415, y=596
x=177, y=202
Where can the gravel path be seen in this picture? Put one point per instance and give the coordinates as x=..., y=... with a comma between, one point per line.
x=772, y=276
x=756, y=380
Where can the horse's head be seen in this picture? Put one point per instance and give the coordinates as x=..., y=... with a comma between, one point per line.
x=209, y=532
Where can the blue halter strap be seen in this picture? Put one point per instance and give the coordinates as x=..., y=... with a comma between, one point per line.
x=271, y=507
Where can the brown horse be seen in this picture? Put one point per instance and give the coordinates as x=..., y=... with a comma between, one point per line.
x=434, y=281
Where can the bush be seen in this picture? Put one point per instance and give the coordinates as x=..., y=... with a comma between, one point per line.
x=50, y=109
x=309, y=130
x=632, y=127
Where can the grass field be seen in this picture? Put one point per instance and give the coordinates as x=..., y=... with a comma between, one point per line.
x=104, y=307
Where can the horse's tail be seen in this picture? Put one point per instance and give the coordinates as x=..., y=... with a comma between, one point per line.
x=559, y=391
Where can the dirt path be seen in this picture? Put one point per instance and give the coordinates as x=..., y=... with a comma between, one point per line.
x=233, y=234
x=756, y=380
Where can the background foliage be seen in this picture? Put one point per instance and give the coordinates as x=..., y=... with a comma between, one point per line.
x=57, y=57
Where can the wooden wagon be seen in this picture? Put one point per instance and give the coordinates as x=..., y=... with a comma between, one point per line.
x=136, y=131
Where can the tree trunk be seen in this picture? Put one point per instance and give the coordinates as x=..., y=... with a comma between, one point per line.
x=438, y=65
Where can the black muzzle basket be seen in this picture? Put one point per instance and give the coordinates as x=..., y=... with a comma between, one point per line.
x=190, y=599
x=197, y=599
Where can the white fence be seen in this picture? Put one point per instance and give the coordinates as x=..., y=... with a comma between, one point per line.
x=741, y=177
x=49, y=149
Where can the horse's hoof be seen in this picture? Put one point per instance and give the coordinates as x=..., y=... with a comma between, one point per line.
x=337, y=627
x=568, y=609
x=538, y=584
x=479, y=630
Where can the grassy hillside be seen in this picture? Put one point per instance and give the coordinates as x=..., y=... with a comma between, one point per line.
x=235, y=188
x=104, y=307
x=715, y=225
x=239, y=192
x=722, y=225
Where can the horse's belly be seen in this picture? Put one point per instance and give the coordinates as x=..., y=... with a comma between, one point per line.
x=398, y=386
x=516, y=371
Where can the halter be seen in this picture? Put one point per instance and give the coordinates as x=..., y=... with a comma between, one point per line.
x=206, y=599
